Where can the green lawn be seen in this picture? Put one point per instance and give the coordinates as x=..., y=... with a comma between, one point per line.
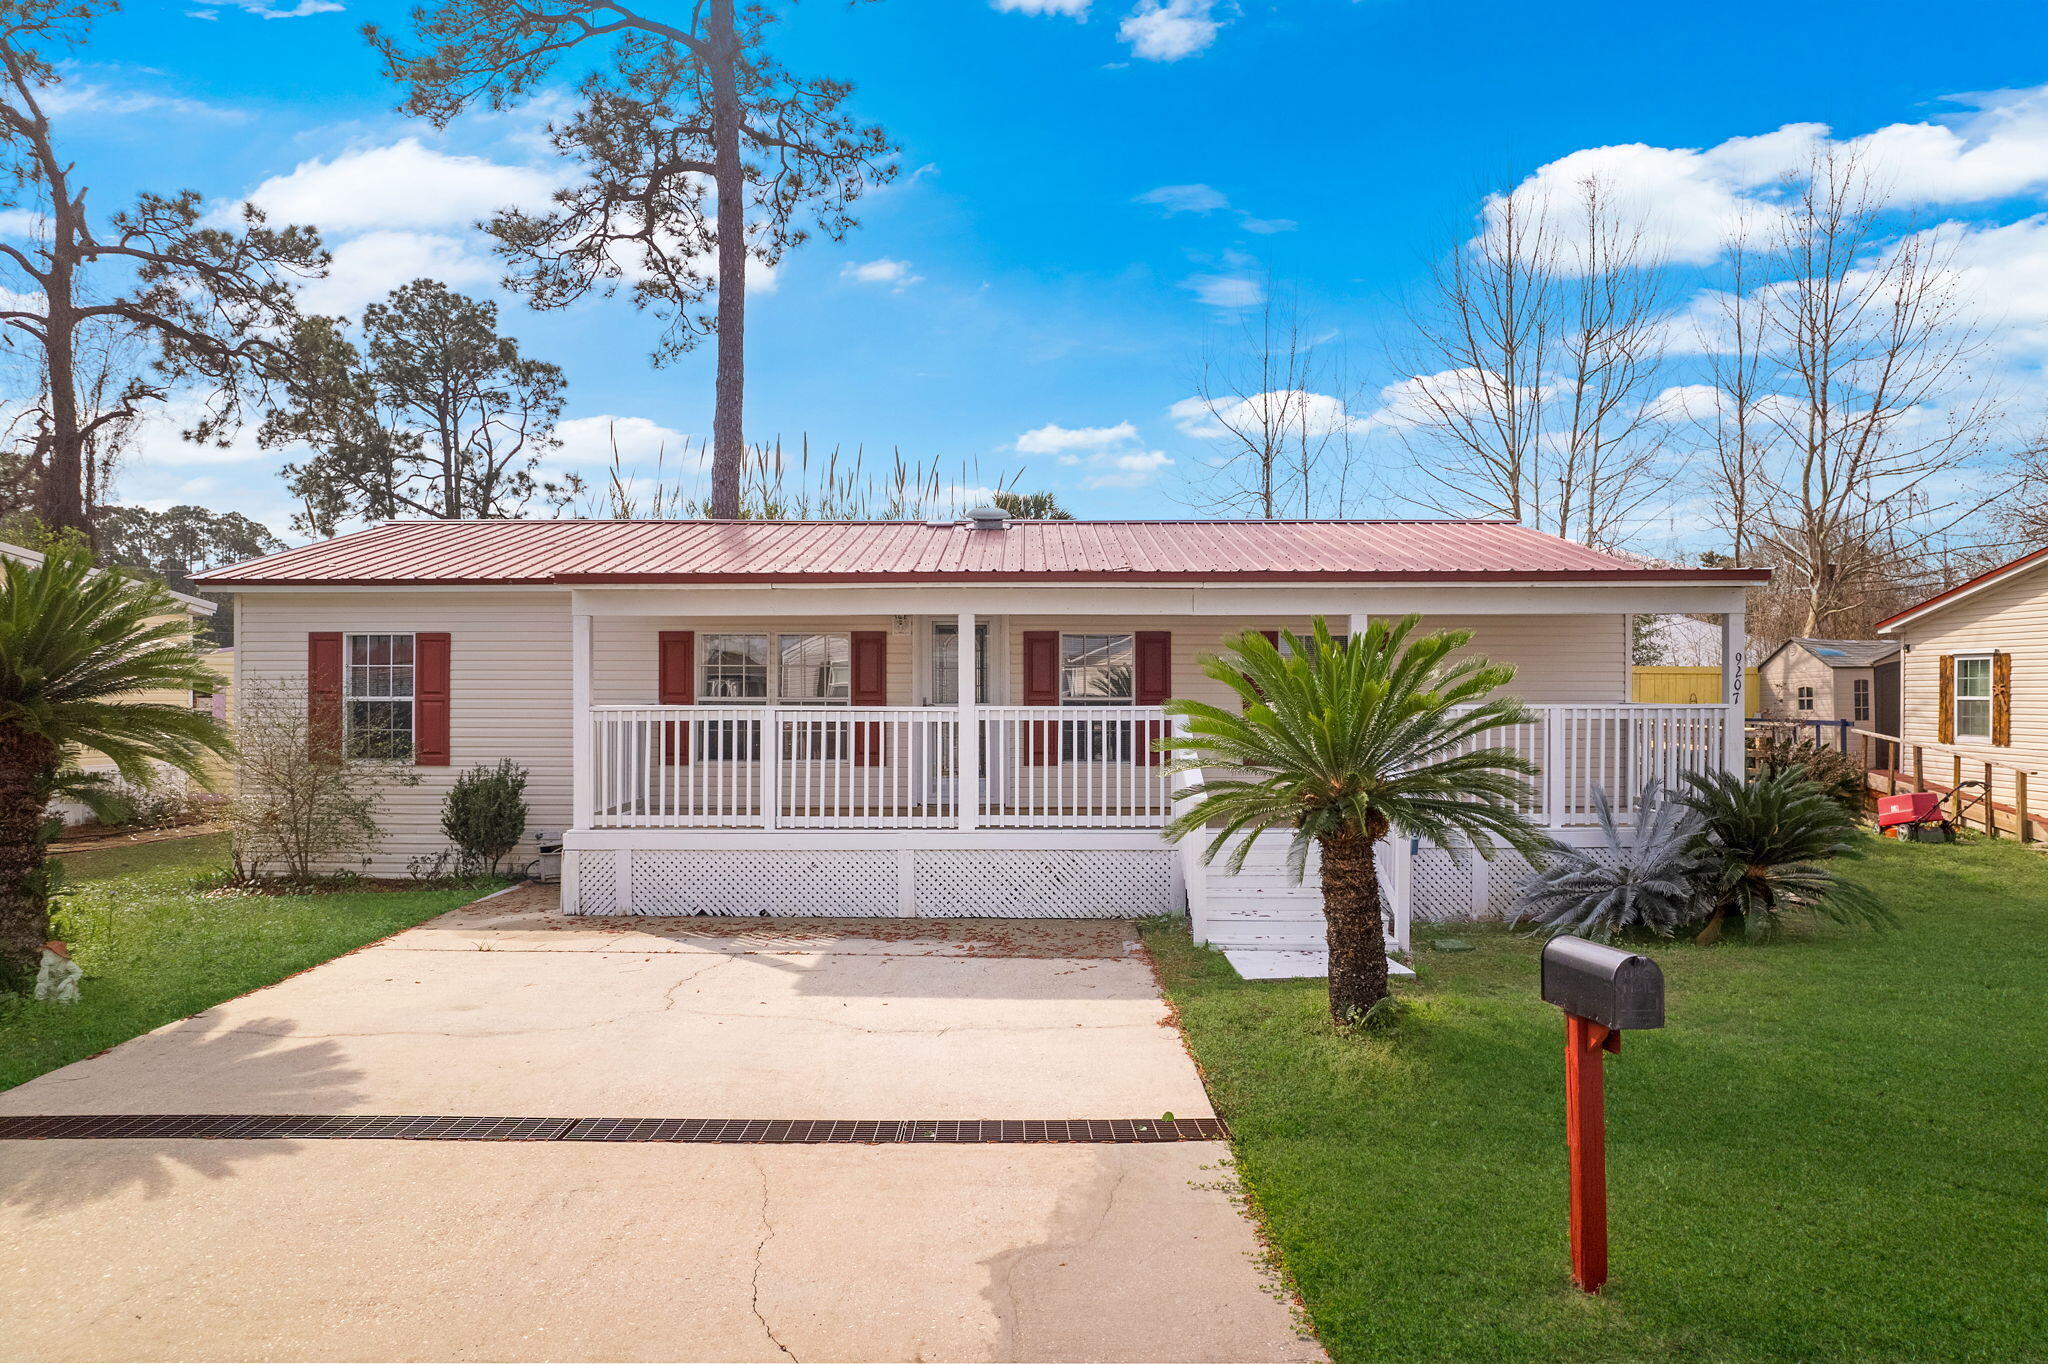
x=1837, y=1149
x=155, y=948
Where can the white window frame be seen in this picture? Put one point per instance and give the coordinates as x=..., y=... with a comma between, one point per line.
x=721, y=740
x=774, y=679
x=1105, y=701
x=1862, y=700
x=349, y=697
x=1957, y=698
x=1802, y=698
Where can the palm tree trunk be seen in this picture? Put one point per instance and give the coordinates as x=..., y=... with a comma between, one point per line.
x=26, y=766
x=1353, y=924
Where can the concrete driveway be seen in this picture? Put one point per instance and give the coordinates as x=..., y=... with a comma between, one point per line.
x=285, y=1249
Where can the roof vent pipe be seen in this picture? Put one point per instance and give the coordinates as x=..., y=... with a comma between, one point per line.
x=988, y=518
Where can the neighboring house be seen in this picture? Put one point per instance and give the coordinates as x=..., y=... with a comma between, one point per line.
x=1827, y=680
x=1974, y=680
x=193, y=610
x=773, y=717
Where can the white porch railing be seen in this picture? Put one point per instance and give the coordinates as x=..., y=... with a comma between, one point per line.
x=1067, y=767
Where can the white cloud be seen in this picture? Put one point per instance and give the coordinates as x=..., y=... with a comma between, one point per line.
x=1315, y=414
x=372, y=265
x=897, y=274
x=19, y=223
x=1227, y=290
x=1073, y=9
x=588, y=444
x=404, y=185
x=1186, y=198
x=1105, y=456
x=1168, y=30
x=1131, y=470
x=1059, y=440
x=1427, y=397
x=1691, y=198
x=300, y=10
x=74, y=96
x=1266, y=226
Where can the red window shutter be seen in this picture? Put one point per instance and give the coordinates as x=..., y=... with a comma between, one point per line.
x=676, y=685
x=1272, y=637
x=870, y=688
x=430, y=657
x=1151, y=686
x=1041, y=688
x=1154, y=680
x=871, y=667
x=323, y=693
x=1041, y=667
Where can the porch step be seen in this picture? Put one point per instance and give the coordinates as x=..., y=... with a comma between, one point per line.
x=1293, y=963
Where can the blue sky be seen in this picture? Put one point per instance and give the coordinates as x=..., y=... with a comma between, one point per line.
x=1025, y=273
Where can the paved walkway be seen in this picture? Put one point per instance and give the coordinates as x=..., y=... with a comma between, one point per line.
x=420, y=1250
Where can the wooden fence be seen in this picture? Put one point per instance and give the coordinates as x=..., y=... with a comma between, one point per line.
x=2003, y=790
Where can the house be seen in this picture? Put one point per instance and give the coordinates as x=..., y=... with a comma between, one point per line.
x=1973, y=661
x=1829, y=681
x=774, y=717
x=184, y=607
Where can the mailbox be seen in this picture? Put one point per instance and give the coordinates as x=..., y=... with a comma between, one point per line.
x=1617, y=989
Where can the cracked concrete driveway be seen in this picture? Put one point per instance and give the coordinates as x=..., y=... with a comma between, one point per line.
x=557, y=1250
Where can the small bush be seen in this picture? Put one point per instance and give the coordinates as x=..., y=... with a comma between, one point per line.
x=297, y=808
x=484, y=816
x=1779, y=748
x=1652, y=880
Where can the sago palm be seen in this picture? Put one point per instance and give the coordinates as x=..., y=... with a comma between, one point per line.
x=1338, y=743
x=1772, y=844
x=74, y=643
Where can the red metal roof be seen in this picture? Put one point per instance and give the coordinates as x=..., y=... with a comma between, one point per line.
x=441, y=553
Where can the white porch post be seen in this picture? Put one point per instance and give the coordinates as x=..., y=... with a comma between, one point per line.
x=967, y=766
x=582, y=758
x=1734, y=662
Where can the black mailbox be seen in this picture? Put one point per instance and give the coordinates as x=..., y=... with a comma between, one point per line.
x=1620, y=990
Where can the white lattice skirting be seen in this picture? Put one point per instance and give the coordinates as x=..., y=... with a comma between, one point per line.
x=929, y=883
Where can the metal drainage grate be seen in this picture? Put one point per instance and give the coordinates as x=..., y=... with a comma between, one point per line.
x=744, y=1131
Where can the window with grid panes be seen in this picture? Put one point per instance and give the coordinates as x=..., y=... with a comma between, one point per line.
x=378, y=698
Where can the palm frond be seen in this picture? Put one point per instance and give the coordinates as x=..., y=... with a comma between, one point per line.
x=1386, y=729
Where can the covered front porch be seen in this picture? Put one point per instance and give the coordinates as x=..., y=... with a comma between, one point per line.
x=821, y=751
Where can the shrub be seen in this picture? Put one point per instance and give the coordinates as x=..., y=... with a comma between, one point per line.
x=1779, y=748
x=1652, y=882
x=296, y=806
x=484, y=816
x=1768, y=842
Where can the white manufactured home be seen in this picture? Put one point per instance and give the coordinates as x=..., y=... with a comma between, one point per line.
x=777, y=717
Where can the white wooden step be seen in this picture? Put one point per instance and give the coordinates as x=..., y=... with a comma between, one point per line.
x=1266, y=963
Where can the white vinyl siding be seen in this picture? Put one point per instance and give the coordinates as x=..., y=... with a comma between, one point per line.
x=508, y=693
x=510, y=683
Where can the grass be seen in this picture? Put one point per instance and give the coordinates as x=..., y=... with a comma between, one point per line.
x=156, y=947
x=1837, y=1149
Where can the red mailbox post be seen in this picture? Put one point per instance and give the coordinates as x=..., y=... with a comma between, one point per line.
x=1602, y=990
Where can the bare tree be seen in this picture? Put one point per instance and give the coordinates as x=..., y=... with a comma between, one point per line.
x=1876, y=418
x=1733, y=433
x=674, y=112
x=1474, y=407
x=208, y=299
x=1539, y=355
x=1278, y=405
x=1610, y=433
